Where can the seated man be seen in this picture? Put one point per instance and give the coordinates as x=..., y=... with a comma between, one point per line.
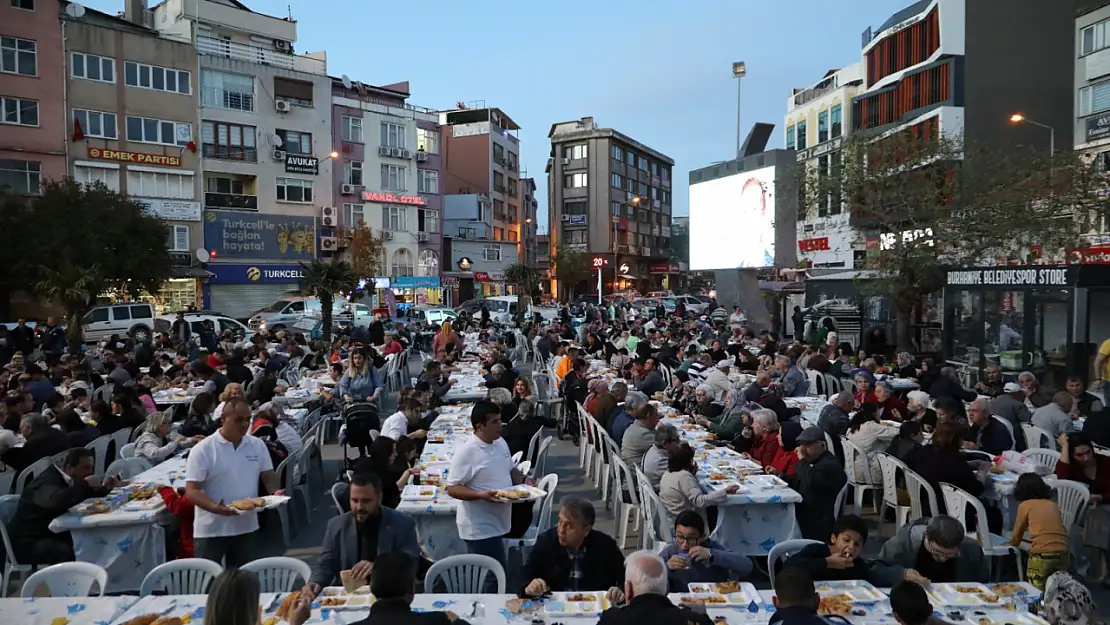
x=694, y=557
x=645, y=591
x=796, y=599
x=393, y=584
x=930, y=550
x=354, y=539
x=51, y=494
x=572, y=556
x=839, y=559
x=42, y=441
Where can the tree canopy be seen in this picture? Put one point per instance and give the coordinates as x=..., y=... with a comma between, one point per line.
x=323, y=279
x=570, y=267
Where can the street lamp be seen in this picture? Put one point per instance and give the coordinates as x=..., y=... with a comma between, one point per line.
x=1018, y=118
x=739, y=70
x=528, y=240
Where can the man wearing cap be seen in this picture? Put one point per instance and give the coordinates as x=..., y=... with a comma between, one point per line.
x=818, y=479
x=717, y=379
x=1010, y=405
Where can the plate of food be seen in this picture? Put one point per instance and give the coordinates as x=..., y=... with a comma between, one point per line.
x=1024, y=590
x=141, y=494
x=257, y=504
x=96, y=506
x=703, y=599
x=860, y=591
x=735, y=593
x=582, y=603
x=836, y=603
x=965, y=594
x=765, y=482
x=520, y=493
x=422, y=492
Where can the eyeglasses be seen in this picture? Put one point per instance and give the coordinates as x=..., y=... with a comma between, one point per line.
x=940, y=554
x=686, y=539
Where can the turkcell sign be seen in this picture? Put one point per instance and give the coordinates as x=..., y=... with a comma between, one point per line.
x=253, y=274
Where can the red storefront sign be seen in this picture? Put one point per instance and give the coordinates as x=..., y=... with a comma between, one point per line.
x=814, y=245
x=389, y=198
x=482, y=276
x=141, y=158
x=664, y=268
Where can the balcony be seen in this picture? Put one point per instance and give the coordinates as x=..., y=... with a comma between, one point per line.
x=230, y=153
x=231, y=201
x=224, y=99
x=260, y=55
x=499, y=187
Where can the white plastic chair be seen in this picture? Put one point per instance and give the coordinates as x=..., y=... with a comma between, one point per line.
x=1009, y=428
x=8, y=506
x=301, y=478
x=465, y=574
x=541, y=517
x=280, y=574
x=957, y=501
x=59, y=458
x=99, y=448
x=838, y=505
x=28, y=474
x=1038, y=437
x=68, y=579
x=285, y=476
x=856, y=465
x=1044, y=457
x=121, y=438
x=517, y=456
x=657, y=529
x=917, y=485
x=1072, y=498
x=339, y=492
x=539, y=465
x=623, y=482
x=524, y=467
x=127, y=451
x=889, y=465
x=189, y=576
x=7, y=480
x=127, y=468
x=784, y=550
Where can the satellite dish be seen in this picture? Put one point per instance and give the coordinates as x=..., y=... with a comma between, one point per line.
x=202, y=254
x=74, y=10
x=275, y=139
x=346, y=81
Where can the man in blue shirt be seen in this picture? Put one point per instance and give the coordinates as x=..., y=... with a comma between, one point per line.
x=39, y=387
x=694, y=557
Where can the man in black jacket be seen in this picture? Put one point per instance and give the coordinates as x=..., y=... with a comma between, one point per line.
x=987, y=433
x=818, y=479
x=572, y=556
x=839, y=558
x=393, y=584
x=51, y=494
x=796, y=599
x=42, y=441
x=645, y=589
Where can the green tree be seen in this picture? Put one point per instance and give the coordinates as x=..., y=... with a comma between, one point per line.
x=75, y=287
x=364, y=252
x=323, y=279
x=570, y=267
x=938, y=201
x=527, y=281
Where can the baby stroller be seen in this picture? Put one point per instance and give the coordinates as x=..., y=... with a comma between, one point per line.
x=359, y=419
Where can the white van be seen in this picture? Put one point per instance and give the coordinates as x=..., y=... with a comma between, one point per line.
x=502, y=308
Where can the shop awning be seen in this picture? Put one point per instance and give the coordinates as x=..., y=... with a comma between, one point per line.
x=625, y=276
x=190, y=272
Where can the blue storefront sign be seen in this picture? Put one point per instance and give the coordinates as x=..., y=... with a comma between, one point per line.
x=233, y=234
x=251, y=274
x=416, y=282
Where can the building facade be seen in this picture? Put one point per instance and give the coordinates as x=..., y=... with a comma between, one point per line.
x=32, y=93
x=609, y=196
x=472, y=255
x=530, y=207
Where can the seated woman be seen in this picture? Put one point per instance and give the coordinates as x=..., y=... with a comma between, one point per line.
x=694, y=557
x=765, y=436
x=264, y=426
x=941, y=461
x=199, y=422
x=786, y=456
x=679, y=488
x=383, y=463
x=730, y=422
x=157, y=443
x=865, y=388
x=79, y=432
x=871, y=436
x=890, y=407
x=917, y=409
x=703, y=405
x=908, y=442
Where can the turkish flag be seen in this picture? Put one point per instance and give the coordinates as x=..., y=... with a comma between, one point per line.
x=78, y=135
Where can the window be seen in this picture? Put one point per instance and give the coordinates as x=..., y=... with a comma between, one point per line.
x=19, y=112
x=498, y=153
x=1093, y=38
x=618, y=153
x=642, y=163
x=801, y=135
x=232, y=142
x=402, y=262
x=574, y=152
x=91, y=175
x=354, y=215
x=835, y=120
x=96, y=123
x=576, y=236
x=1095, y=98
x=26, y=5
x=92, y=67
x=428, y=220
x=491, y=252
x=427, y=181
x=393, y=177
x=618, y=181
x=294, y=190
x=352, y=173
x=298, y=92
x=178, y=238
x=574, y=181
x=393, y=135
x=97, y=315
x=146, y=130
x=615, y=208
x=226, y=91
x=641, y=189
x=158, y=184
x=156, y=78
x=295, y=142
x=629, y=158
x=394, y=218
x=666, y=176
x=822, y=126
x=352, y=129
x=427, y=140
x=224, y=184
x=18, y=56
x=575, y=208
x=22, y=177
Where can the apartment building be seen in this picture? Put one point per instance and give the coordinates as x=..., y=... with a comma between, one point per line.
x=473, y=255
x=265, y=136
x=387, y=176
x=481, y=152
x=32, y=132
x=609, y=195
x=1091, y=124
x=530, y=207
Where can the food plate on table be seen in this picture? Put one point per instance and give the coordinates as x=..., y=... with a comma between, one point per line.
x=1022, y=590
x=735, y=593
x=520, y=494
x=966, y=594
x=836, y=603
x=423, y=492
x=96, y=506
x=704, y=599
x=860, y=591
x=765, y=481
x=582, y=603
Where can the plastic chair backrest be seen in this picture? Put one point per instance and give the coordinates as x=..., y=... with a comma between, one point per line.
x=59, y=458
x=517, y=456
x=7, y=480
x=541, y=510
x=855, y=463
x=465, y=574
x=889, y=465
x=540, y=465
x=1038, y=437
x=287, y=469
x=1044, y=457
x=339, y=493
x=30, y=473
x=838, y=505
x=280, y=574
x=68, y=579
x=1072, y=498
x=138, y=431
x=190, y=576
x=120, y=438
x=1009, y=428
x=916, y=484
x=534, y=446
x=784, y=550
x=624, y=475
x=127, y=451
x=99, y=447
x=956, y=502
x=8, y=505
x=127, y=467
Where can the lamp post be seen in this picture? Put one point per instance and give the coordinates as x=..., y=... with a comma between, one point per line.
x=1018, y=118
x=528, y=241
x=739, y=70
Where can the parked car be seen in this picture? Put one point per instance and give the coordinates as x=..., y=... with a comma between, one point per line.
x=134, y=319
x=286, y=312
x=694, y=305
x=357, y=315
x=429, y=314
x=164, y=324
x=502, y=308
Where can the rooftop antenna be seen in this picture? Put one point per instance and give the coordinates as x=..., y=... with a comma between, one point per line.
x=346, y=81
x=74, y=10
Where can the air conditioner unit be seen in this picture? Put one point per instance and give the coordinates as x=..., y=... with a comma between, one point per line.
x=566, y=161
x=398, y=152
x=421, y=156
x=406, y=154
x=566, y=218
x=422, y=237
x=387, y=235
x=278, y=155
x=283, y=106
x=329, y=244
x=347, y=189
x=329, y=217
x=384, y=150
x=281, y=45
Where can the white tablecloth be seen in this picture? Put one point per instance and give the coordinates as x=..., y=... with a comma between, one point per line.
x=78, y=610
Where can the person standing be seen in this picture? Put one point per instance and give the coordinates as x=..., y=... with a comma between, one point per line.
x=224, y=468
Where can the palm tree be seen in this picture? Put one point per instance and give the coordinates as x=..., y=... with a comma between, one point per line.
x=75, y=288
x=324, y=278
x=527, y=280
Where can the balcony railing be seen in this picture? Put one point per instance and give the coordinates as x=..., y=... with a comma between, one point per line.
x=230, y=153
x=232, y=201
x=260, y=54
x=224, y=99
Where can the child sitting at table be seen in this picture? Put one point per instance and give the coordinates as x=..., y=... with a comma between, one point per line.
x=1048, y=551
x=839, y=559
x=910, y=605
x=182, y=510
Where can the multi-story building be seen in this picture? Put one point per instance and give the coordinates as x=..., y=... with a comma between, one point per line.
x=530, y=207
x=387, y=177
x=1092, y=87
x=817, y=121
x=481, y=152
x=265, y=136
x=32, y=92
x=132, y=98
x=541, y=251
x=472, y=253
x=609, y=195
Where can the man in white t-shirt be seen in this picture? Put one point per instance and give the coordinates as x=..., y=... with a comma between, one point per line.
x=397, y=425
x=222, y=469
x=483, y=465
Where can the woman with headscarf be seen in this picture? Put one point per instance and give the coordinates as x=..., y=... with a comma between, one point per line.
x=156, y=443
x=1068, y=602
x=731, y=420
x=703, y=404
x=595, y=388
x=446, y=339
x=865, y=388
x=264, y=426
x=905, y=365
x=786, y=456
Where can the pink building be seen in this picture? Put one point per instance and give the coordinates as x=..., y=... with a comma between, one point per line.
x=32, y=72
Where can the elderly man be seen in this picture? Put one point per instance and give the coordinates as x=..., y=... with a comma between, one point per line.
x=754, y=391
x=654, y=464
x=645, y=590
x=987, y=433
x=704, y=404
x=1034, y=398
x=818, y=479
x=794, y=382
x=499, y=377
x=573, y=556
x=928, y=551
x=1055, y=417
x=717, y=379
x=640, y=436
x=834, y=417
x=1086, y=404
x=42, y=441
x=993, y=385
